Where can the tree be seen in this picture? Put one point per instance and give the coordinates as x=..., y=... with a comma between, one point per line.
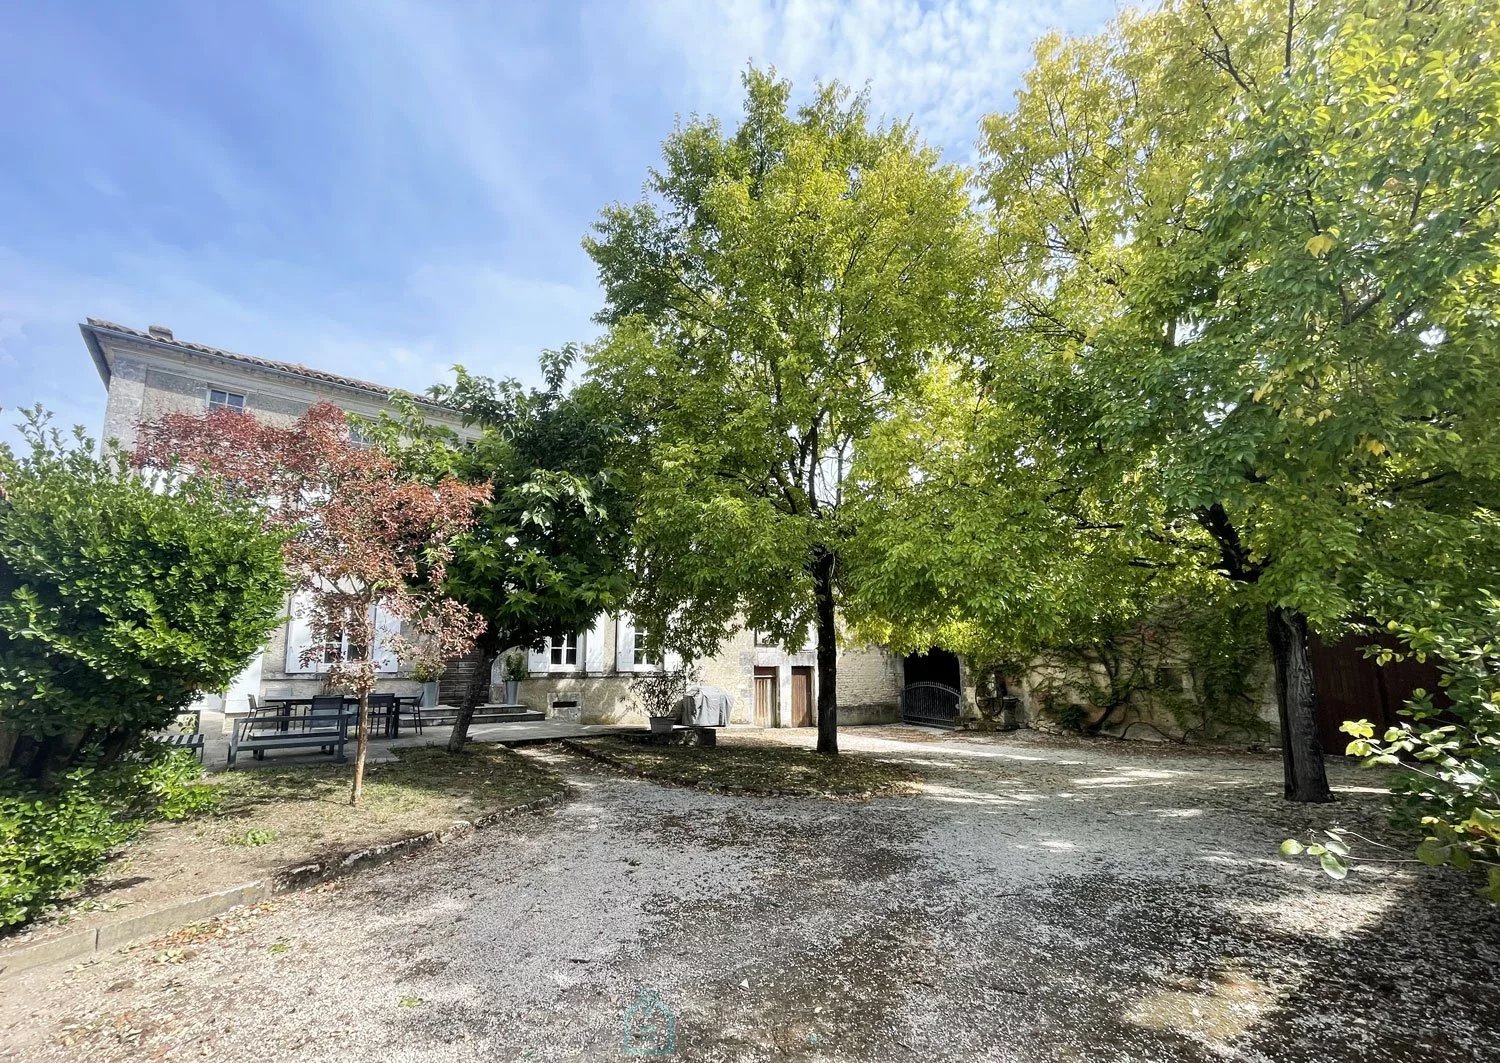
x=121, y=599
x=361, y=535
x=547, y=550
x=1254, y=310
x=768, y=299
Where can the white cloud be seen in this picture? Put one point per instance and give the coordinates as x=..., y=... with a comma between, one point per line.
x=944, y=64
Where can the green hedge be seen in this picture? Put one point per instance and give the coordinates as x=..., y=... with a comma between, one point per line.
x=53, y=839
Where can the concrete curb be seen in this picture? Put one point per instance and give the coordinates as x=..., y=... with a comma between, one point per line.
x=85, y=944
x=576, y=746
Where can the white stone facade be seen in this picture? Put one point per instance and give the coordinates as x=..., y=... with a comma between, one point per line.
x=592, y=682
x=150, y=374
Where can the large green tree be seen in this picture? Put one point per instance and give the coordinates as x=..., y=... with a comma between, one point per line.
x=776, y=289
x=1247, y=255
x=547, y=551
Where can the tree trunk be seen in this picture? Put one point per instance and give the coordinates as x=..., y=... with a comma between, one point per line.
x=361, y=744
x=824, y=562
x=478, y=692
x=1297, y=705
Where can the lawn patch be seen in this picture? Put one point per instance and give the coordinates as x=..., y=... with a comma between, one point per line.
x=741, y=766
x=275, y=816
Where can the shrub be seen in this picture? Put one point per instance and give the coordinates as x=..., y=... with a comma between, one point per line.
x=660, y=693
x=53, y=839
x=122, y=597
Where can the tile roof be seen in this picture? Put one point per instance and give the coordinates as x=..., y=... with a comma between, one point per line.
x=164, y=336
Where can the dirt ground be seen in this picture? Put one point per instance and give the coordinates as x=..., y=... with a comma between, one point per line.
x=1037, y=899
x=272, y=815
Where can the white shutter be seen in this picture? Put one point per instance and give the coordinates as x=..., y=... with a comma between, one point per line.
x=386, y=626
x=537, y=660
x=298, y=636
x=594, y=646
x=625, y=643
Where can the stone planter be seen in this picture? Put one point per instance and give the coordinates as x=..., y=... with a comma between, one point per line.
x=661, y=725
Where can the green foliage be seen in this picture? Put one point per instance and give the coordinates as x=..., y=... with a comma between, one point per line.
x=660, y=693
x=513, y=670
x=547, y=550
x=53, y=839
x=122, y=597
x=253, y=837
x=1244, y=334
x=779, y=286
x=1448, y=786
x=1189, y=672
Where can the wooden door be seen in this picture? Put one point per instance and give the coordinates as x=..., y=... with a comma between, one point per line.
x=765, y=697
x=802, y=697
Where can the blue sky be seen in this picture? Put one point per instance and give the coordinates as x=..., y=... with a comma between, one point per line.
x=385, y=189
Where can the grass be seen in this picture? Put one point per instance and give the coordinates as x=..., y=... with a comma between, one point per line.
x=304, y=808
x=742, y=766
x=275, y=815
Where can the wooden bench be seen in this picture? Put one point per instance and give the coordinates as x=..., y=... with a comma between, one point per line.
x=262, y=731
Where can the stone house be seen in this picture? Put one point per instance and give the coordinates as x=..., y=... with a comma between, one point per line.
x=584, y=675
x=152, y=373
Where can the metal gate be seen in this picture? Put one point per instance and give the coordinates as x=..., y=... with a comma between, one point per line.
x=930, y=705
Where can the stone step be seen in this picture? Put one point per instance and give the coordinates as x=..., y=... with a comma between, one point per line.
x=442, y=715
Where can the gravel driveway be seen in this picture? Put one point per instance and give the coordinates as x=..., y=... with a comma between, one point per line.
x=1040, y=899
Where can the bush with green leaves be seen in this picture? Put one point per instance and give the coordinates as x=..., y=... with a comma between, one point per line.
x=53, y=838
x=123, y=596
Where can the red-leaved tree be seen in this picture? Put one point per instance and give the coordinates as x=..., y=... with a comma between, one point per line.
x=364, y=536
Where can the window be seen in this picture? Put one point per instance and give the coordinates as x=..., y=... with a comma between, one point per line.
x=358, y=436
x=643, y=658
x=225, y=400
x=562, y=651
x=307, y=652
x=764, y=639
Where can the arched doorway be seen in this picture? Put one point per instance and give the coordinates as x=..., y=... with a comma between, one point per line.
x=930, y=695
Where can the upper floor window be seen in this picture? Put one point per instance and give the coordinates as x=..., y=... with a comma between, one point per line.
x=562, y=650
x=359, y=437
x=225, y=400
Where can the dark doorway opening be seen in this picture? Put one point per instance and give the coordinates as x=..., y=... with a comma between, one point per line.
x=934, y=666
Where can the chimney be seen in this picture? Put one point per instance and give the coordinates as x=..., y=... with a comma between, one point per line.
x=159, y=332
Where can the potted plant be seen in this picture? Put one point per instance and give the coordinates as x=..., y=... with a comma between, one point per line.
x=512, y=671
x=427, y=673
x=659, y=694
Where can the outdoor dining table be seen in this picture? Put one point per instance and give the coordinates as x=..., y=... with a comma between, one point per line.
x=284, y=706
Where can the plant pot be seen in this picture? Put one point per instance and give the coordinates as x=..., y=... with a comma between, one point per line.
x=511, y=687
x=429, y=694
x=661, y=725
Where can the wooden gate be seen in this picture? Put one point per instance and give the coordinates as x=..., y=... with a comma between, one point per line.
x=1351, y=686
x=765, y=697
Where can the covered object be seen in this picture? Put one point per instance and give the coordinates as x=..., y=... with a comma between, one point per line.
x=707, y=707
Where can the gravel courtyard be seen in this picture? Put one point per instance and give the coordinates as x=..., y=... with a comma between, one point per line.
x=1038, y=899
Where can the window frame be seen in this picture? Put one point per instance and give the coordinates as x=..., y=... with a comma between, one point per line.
x=560, y=647
x=226, y=404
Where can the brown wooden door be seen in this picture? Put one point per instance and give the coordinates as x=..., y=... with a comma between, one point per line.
x=802, y=697
x=765, y=697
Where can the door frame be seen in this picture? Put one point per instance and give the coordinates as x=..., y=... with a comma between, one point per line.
x=773, y=710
